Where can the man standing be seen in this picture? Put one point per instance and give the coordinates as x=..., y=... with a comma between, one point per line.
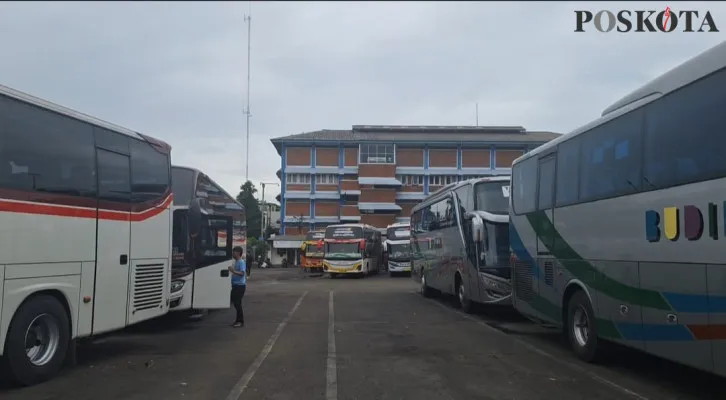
x=239, y=284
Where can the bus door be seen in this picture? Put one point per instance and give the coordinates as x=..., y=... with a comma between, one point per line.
x=464, y=249
x=211, y=276
x=545, y=203
x=113, y=242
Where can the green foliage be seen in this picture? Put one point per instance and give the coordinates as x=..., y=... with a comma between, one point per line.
x=253, y=212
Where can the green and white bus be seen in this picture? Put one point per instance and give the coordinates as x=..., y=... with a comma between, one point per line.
x=616, y=228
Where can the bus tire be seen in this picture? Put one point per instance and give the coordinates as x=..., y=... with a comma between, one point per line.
x=426, y=290
x=581, y=328
x=51, y=336
x=463, y=300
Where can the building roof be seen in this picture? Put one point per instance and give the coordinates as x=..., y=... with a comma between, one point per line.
x=418, y=134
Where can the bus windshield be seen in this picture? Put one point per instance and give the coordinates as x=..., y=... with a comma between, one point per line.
x=312, y=250
x=492, y=197
x=343, y=250
x=398, y=233
x=496, y=250
x=399, y=251
x=182, y=185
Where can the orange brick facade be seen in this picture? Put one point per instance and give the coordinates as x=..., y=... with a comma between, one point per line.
x=334, y=198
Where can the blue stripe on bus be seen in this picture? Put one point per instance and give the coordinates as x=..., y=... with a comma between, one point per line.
x=515, y=242
x=654, y=332
x=696, y=303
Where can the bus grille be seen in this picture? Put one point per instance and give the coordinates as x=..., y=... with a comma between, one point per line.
x=523, y=281
x=148, y=286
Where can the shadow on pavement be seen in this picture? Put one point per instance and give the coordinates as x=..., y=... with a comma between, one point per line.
x=689, y=383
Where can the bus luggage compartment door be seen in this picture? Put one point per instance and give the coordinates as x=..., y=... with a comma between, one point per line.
x=214, y=256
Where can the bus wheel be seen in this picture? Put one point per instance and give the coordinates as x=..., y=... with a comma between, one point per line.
x=581, y=329
x=466, y=305
x=37, y=341
x=426, y=290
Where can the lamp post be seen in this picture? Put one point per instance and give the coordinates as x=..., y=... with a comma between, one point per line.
x=262, y=208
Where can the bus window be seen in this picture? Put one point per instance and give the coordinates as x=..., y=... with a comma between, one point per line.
x=492, y=197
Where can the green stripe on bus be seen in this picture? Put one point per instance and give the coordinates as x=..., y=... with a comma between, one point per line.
x=587, y=273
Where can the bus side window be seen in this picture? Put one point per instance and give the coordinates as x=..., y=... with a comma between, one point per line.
x=150, y=175
x=45, y=152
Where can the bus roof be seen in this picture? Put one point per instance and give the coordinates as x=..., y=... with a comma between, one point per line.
x=217, y=186
x=455, y=185
x=45, y=104
x=696, y=68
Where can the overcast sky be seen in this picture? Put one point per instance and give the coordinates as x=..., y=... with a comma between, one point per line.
x=177, y=71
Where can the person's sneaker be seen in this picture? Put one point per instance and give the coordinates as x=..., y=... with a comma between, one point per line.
x=238, y=325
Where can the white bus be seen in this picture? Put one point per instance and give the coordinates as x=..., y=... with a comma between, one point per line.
x=352, y=249
x=617, y=227
x=200, y=279
x=85, y=237
x=397, y=249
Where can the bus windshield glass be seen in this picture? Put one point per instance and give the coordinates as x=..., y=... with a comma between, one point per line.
x=342, y=250
x=182, y=185
x=313, y=251
x=398, y=233
x=399, y=251
x=492, y=197
x=497, y=250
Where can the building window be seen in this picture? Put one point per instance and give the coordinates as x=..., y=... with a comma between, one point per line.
x=377, y=154
x=441, y=180
x=298, y=178
x=326, y=179
x=411, y=180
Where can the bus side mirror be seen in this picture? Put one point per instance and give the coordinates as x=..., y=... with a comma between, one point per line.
x=477, y=229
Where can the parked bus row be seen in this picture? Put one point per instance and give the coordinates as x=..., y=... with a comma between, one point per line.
x=90, y=212
x=611, y=233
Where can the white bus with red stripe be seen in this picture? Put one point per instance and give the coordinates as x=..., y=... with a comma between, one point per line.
x=200, y=279
x=85, y=232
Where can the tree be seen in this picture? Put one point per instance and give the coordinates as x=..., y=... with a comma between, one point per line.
x=246, y=196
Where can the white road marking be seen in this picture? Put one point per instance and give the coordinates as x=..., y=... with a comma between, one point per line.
x=241, y=385
x=541, y=352
x=331, y=387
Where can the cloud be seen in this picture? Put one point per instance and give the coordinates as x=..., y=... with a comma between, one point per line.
x=178, y=71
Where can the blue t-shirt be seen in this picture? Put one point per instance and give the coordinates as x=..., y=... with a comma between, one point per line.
x=240, y=266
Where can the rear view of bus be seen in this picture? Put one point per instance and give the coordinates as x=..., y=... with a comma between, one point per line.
x=460, y=238
x=313, y=251
x=397, y=249
x=86, y=229
x=352, y=249
x=207, y=223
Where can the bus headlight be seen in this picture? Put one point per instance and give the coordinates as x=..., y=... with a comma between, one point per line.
x=177, y=285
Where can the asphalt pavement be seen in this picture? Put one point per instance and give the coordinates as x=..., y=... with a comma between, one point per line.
x=311, y=337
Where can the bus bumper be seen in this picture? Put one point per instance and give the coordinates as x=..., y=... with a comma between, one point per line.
x=355, y=267
x=394, y=266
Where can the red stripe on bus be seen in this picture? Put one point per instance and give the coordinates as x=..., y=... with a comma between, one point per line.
x=74, y=212
x=708, y=332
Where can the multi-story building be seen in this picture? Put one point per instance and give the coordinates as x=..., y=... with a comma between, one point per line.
x=376, y=174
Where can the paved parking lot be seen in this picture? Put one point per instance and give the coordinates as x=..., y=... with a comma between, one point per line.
x=368, y=339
